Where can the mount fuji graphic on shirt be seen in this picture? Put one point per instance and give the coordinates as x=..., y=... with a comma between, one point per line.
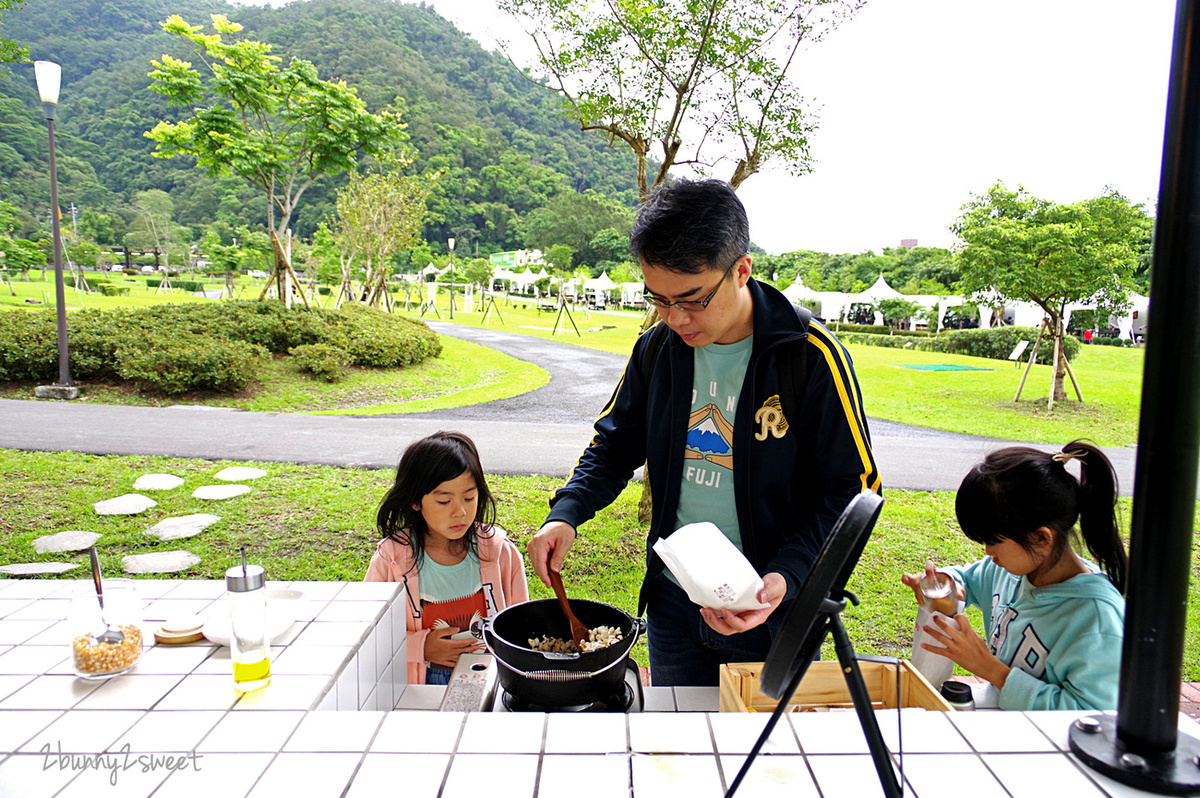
x=709, y=438
x=705, y=437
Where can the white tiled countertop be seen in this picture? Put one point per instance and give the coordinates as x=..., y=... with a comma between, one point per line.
x=175, y=727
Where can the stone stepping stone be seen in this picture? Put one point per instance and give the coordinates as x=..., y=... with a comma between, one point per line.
x=70, y=540
x=159, y=562
x=129, y=504
x=219, y=491
x=157, y=482
x=182, y=526
x=37, y=568
x=239, y=473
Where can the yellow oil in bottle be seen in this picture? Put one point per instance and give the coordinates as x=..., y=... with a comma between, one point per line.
x=251, y=674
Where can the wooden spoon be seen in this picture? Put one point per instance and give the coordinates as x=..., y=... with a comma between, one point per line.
x=579, y=632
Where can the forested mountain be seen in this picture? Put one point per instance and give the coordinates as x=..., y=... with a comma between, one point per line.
x=471, y=113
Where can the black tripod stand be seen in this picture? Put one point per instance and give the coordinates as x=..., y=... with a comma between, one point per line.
x=815, y=613
x=832, y=610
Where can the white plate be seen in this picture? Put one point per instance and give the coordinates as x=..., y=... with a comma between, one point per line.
x=283, y=607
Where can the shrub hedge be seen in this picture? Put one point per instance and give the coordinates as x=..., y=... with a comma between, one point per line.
x=321, y=360
x=996, y=342
x=875, y=329
x=219, y=346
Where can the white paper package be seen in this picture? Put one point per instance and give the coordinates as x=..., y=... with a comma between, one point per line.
x=710, y=569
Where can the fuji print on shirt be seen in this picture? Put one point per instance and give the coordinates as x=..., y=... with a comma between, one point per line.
x=709, y=437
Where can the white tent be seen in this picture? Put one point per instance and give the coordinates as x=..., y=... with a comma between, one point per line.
x=601, y=283
x=524, y=280
x=880, y=290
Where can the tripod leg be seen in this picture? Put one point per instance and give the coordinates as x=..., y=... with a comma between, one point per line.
x=780, y=708
x=864, y=710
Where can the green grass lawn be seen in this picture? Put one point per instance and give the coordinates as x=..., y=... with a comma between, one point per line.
x=981, y=402
x=39, y=293
x=316, y=522
x=608, y=331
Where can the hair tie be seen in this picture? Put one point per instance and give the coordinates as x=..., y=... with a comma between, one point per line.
x=1065, y=457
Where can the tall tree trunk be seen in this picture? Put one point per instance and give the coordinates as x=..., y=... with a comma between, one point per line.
x=1060, y=373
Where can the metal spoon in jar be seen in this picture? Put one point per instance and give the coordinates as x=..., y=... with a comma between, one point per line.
x=579, y=632
x=111, y=634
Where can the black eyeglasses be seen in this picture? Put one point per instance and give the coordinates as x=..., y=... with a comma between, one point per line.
x=690, y=306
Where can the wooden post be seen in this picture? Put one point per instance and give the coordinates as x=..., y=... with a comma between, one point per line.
x=1032, y=357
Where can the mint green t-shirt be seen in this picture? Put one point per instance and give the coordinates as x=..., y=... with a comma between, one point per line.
x=444, y=583
x=706, y=489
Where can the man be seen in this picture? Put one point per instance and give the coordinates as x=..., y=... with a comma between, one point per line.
x=707, y=408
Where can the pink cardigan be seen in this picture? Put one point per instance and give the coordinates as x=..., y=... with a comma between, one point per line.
x=500, y=564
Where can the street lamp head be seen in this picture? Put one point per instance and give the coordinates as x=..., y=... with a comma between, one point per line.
x=450, y=243
x=49, y=78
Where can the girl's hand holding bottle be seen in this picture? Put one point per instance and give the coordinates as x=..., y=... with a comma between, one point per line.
x=935, y=590
x=960, y=642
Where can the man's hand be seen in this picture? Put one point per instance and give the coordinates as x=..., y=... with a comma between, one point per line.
x=728, y=623
x=441, y=650
x=548, y=548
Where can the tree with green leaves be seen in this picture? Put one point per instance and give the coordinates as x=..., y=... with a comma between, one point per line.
x=897, y=310
x=378, y=214
x=706, y=82
x=1019, y=247
x=559, y=258
x=280, y=129
x=11, y=51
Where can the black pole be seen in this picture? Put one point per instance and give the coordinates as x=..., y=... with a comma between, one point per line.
x=1169, y=427
x=60, y=294
x=1146, y=749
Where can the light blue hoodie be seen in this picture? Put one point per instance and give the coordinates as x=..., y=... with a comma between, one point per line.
x=1063, y=641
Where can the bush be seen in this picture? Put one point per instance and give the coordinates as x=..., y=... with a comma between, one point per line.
x=996, y=343
x=28, y=345
x=102, y=341
x=377, y=339
x=874, y=329
x=324, y=290
x=113, y=290
x=173, y=365
x=153, y=282
x=321, y=360
x=886, y=341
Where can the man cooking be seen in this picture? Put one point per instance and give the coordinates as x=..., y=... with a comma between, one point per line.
x=742, y=419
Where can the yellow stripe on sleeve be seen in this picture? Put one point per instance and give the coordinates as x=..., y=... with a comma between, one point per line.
x=850, y=408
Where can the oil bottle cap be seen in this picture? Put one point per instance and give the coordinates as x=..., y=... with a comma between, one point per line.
x=244, y=578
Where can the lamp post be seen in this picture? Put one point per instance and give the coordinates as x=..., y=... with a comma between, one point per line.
x=49, y=78
x=450, y=242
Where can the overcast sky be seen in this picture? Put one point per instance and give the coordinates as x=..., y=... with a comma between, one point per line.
x=924, y=102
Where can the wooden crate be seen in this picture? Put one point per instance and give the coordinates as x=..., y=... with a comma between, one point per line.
x=824, y=686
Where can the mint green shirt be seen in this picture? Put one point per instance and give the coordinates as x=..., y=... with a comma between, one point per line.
x=706, y=488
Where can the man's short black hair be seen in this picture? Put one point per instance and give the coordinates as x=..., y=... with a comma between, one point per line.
x=691, y=225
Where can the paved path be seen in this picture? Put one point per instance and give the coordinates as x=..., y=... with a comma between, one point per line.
x=541, y=432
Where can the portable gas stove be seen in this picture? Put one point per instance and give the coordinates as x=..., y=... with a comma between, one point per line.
x=630, y=698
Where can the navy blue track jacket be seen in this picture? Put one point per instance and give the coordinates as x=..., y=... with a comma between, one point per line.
x=792, y=477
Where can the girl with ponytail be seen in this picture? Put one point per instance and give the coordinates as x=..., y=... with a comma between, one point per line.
x=1053, y=620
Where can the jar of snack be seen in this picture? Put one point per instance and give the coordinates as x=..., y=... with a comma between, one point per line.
x=109, y=642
